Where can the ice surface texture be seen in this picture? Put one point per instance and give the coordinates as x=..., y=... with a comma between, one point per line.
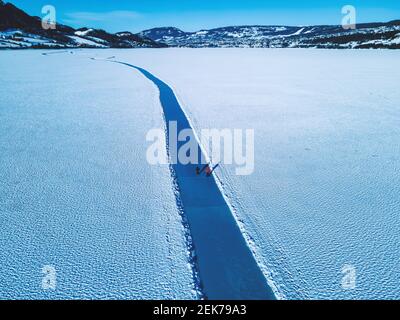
x=76, y=191
x=326, y=190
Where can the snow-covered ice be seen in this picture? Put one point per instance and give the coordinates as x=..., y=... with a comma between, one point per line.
x=76, y=192
x=326, y=190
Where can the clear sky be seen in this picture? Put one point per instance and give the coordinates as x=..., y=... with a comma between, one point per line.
x=193, y=15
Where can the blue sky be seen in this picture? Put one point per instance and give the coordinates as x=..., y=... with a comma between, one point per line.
x=191, y=15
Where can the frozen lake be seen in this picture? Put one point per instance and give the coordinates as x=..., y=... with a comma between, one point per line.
x=76, y=191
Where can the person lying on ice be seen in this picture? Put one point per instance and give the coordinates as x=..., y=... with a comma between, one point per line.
x=208, y=171
x=206, y=167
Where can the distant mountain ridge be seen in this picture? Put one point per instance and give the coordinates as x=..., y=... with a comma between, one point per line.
x=18, y=30
x=367, y=35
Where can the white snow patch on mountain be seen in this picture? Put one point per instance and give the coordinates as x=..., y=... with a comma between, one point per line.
x=79, y=40
x=83, y=33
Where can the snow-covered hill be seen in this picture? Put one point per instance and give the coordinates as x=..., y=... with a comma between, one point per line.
x=371, y=35
x=19, y=30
